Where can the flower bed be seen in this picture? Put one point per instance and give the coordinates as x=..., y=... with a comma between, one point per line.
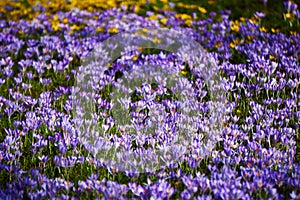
x=256, y=154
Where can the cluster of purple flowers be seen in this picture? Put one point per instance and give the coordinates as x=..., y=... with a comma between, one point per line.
x=257, y=152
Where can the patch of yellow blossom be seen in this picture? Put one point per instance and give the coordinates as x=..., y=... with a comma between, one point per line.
x=274, y=30
x=55, y=23
x=231, y=45
x=186, y=6
x=152, y=17
x=164, y=20
x=235, y=26
x=234, y=43
x=288, y=15
x=293, y=32
x=113, y=30
x=65, y=20
x=100, y=29
x=202, y=10
x=183, y=16
x=187, y=18
x=75, y=27
x=26, y=10
x=135, y=58
x=253, y=20
x=156, y=40
x=239, y=112
x=188, y=22
x=183, y=72
x=218, y=44
x=263, y=29
x=20, y=32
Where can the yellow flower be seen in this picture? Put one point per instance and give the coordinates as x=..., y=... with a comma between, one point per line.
x=156, y=40
x=155, y=8
x=242, y=19
x=55, y=18
x=180, y=5
x=164, y=20
x=274, y=30
x=90, y=9
x=188, y=22
x=193, y=6
x=113, y=30
x=136, y=9
x=183, y=72
x=288, y=15
x=100, y=29
x=135, y=58
x=238, y=112
x=202, y=10
x=26, y=11
x=166, y=7
x=263, y=29
x=235, y=26
x=145, y=30
x=183, y=16
x=55, y=26
x=152, y=17
x=253, y=21
x=293, y=32
x=75, y=27
x=65, y=20
x=218, y=44
x=231, y=45
x=272, y=57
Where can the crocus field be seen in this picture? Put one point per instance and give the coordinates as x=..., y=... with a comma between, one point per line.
x=255, y=154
